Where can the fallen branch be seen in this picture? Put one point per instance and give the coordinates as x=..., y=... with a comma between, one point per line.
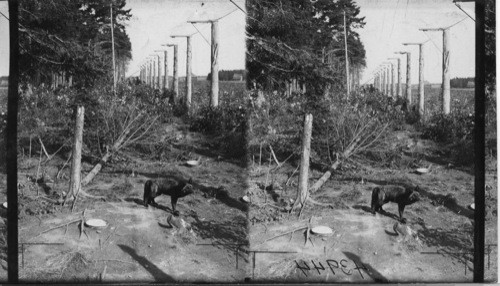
x=318, y=203
x=268, y=204
x=50, y=200
x=59, y=226
x=114, y=260
x=85, y=194
x=280, y=235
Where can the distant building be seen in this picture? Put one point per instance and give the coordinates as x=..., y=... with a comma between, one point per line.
x=470, y=84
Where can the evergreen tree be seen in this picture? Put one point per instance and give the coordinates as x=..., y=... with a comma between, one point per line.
x=71, y=36
x=303, y=40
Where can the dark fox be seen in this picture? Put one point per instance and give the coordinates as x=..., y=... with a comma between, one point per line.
x=396, y=194
x=170, y=187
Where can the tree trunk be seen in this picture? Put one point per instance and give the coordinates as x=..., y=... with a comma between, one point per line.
x=77, y=154
x=304, y=161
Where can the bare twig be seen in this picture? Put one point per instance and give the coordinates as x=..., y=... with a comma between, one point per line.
x=267, y=177
x=43, y=148
x=64, y=165
x=285, y=233
x=59, y=226
x=114, y=260
x=291, y=176
x=49, y=157
x=318, y=203
x=274, y=156
x=37, y=172
x=260, y=155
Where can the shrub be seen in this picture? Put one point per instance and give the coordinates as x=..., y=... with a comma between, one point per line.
x=226, y=122
x=337, y=123
x=449, y=128
x=49, y=114
x=456, y=130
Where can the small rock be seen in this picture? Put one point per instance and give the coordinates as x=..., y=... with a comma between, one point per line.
x=150, y=246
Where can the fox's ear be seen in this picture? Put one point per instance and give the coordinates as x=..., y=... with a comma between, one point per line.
x=190, y=181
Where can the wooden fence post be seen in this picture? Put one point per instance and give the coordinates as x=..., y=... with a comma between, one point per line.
x=150, y=66
x=390, y=71
x=165, y=69
x=446, y=71
x=75, y=183
x=408, y=79
x=304, y=162
x=189, y=56
x=386, y=81
x=176, y=72
x=159, y=71
x=400, y=79
x=393, y=78
x=383, y=80
x=214, y=98
x=421, y=84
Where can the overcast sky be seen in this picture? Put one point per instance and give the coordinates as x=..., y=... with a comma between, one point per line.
x=154, y=21
x=4, y=42
x=389, y=23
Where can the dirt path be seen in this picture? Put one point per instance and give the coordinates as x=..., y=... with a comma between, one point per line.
x=139, y=244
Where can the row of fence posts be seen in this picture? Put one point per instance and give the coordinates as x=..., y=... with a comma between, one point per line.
x=151, y=71
x=384, y=75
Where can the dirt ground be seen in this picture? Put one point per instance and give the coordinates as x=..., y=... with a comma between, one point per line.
x=141, y=245
x=207, y=243
x=365, y=247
